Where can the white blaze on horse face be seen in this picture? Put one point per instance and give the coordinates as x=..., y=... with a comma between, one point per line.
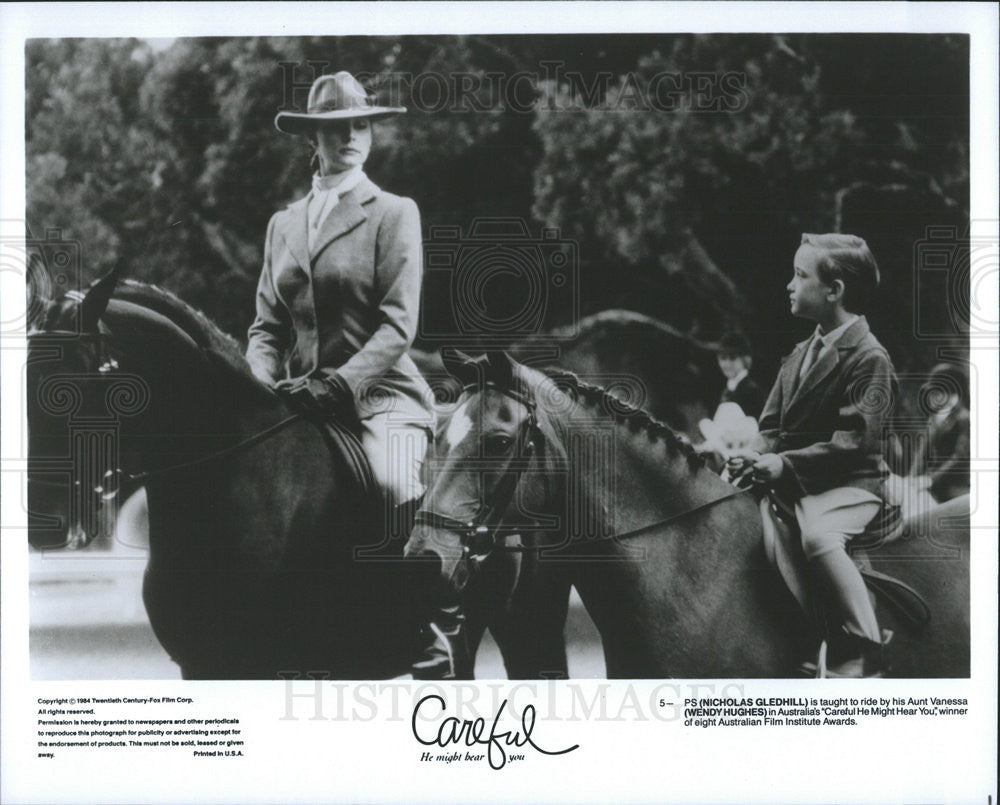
x=458, y=428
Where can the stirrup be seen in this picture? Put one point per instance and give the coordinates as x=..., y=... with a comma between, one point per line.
x=815, y=670
x=821, y=670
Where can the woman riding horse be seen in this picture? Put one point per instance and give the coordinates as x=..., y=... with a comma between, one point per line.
x=339, y=296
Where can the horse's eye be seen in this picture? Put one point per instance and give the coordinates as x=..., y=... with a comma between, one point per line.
x=498, y=444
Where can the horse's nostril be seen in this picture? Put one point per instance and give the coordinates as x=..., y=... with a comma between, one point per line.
x=428, y=557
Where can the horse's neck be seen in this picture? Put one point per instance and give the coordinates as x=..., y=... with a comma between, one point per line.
x=630, y=477
x=196, y=404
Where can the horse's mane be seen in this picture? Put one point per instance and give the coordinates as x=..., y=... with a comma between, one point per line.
x=637, y=419
x=201, y=329
x=216, y=344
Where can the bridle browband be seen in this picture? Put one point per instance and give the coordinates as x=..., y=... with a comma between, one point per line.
x=482, y=535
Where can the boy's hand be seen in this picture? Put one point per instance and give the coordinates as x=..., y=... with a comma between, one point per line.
x=768, y=467
x=740, y=460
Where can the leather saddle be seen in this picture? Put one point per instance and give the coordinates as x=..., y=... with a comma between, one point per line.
x=393, y=524
x=783, y=548
x=345, y=448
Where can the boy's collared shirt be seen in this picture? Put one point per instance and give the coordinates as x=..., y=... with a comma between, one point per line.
x=834, y=335
x=828, y=340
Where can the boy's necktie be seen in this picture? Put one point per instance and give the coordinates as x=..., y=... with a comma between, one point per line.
x=814, y=349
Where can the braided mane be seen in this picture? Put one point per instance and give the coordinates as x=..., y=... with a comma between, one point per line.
x=624, y=412
x=201, y=329
x=222, y=349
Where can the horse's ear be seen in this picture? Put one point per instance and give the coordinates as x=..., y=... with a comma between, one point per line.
x=460, y=366
x=39, y=291
x=501, y=368
x=96, y=301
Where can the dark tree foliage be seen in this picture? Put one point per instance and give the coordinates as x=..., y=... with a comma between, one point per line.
x=811, y=117
x=168, y=161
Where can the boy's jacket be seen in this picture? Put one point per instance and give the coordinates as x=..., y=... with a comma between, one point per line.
x=829, y=426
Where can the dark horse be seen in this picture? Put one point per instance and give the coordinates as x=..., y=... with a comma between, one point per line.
x=542, y=482
x=254, y=521
x=638, y=358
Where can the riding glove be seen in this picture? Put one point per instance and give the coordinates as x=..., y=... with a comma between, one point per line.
x=324, y=396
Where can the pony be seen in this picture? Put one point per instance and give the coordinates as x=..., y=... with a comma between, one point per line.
x=258, y=515
x=543, y=481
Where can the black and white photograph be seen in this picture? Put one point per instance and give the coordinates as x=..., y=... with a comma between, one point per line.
x=510, y=400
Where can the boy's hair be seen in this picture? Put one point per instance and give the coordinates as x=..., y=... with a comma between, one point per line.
x=846, y=258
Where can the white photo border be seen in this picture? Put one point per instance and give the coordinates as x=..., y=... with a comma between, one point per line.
x=361, y=747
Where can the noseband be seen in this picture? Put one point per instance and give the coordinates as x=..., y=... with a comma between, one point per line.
x=480, y=534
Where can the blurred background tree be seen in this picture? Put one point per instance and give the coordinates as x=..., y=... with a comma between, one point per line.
x=819, y=114
x=167, y=160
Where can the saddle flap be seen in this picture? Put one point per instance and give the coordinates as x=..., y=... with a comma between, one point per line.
x=345, y=448
x=905, y=600
x=783, y=548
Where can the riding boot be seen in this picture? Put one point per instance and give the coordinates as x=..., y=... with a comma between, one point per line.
x=842, y=582
x=853, y=657
x=855, y=648
x=445, y=654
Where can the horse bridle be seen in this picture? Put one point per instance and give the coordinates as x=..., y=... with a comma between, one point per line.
x=481, y=534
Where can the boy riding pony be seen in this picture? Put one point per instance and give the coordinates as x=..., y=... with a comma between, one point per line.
x=821, y=435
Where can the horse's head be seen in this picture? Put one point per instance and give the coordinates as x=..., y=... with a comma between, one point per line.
x=485, y=465
x=69, y=471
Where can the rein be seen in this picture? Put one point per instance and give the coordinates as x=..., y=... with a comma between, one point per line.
x=475, y=532
x=674, y=517
x=250, y=441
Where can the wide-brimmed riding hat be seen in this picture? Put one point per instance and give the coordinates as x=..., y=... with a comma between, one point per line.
x=339, y=96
